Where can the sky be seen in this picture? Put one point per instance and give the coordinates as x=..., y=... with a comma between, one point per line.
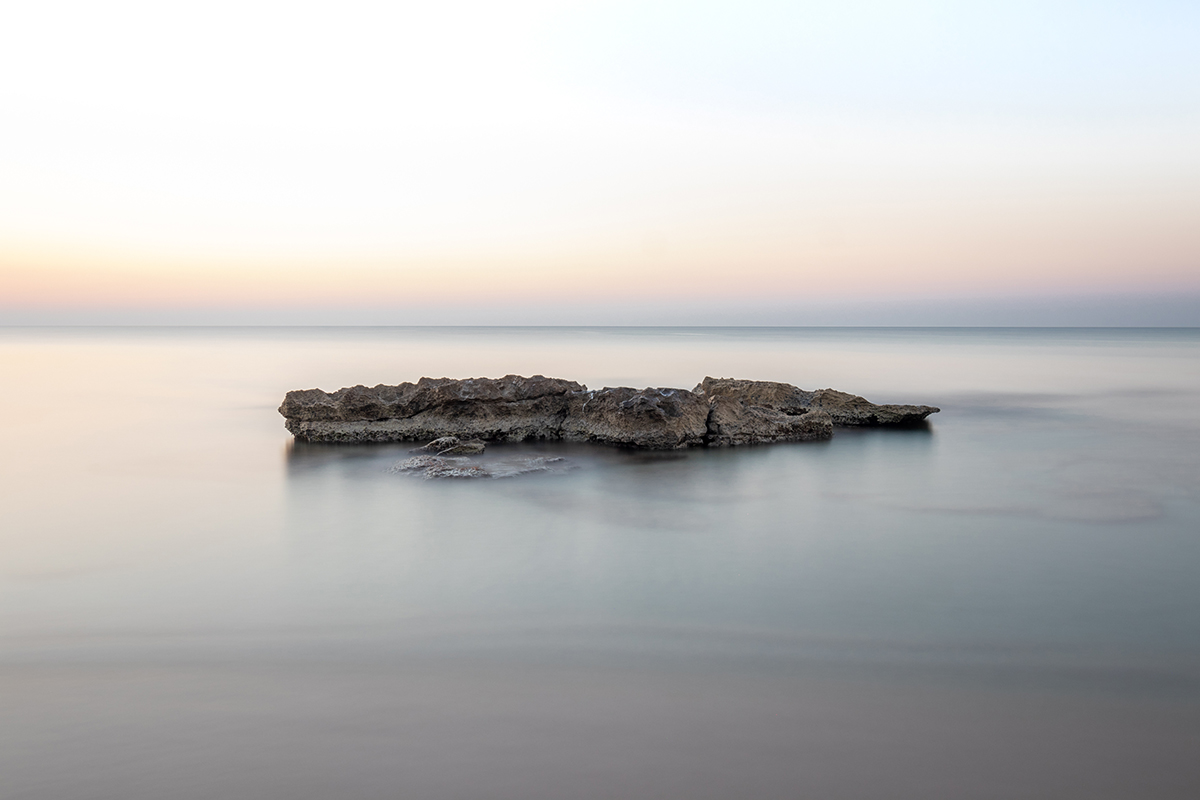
x=535, y=162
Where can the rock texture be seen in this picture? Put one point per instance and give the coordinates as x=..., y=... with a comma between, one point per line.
x=453, y=446
x=760, y=412
x=511, y=408
x=850, y=409
x=842, y=408
x=434, y=467
x=441, y=467
x=732, y=422
x=461, y=415
x=781, y=397
x=656, y=419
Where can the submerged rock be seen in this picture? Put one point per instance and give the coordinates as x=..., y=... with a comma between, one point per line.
x=453, y=446
x=441, y=467
x=512, y=467
x=431, y=467
x=460, y=416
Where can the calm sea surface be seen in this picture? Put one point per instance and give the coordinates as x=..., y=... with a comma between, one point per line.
x=1004, y=604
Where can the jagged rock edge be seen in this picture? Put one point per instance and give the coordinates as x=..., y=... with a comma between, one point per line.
x=571, y=390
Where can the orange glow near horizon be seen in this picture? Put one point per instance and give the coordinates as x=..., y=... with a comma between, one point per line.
x=1023, y=255
x=537, y=153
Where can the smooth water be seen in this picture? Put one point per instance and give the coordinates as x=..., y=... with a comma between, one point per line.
x=1003, y=604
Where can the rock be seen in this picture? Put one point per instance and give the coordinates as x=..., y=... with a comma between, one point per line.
x=844, y=409
x=407, y=400
x=657, y=419
x=441, y=467
x=453, y=446
x=760, y=412
x=433, y=467
x=418, y=463
x=850, y=409
x=733, y=422
x=768, y=394
x=511, y=408
x=460, y=416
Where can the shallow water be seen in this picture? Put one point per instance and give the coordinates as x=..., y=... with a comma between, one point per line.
x=1001, y=604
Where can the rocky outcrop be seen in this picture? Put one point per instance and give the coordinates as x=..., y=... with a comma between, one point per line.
x=850, y=409
x=783, y=398
x=765, y=394
x=511, y=408
x=732, y=422
x=656, y=419
x=760, y=412
x=461, y=415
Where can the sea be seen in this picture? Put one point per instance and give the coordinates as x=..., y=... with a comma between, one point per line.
x=1004, y=603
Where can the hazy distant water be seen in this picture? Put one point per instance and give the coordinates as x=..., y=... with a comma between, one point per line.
x=1006, y=604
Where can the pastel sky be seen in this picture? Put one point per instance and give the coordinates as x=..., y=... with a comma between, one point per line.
x=268, y=158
